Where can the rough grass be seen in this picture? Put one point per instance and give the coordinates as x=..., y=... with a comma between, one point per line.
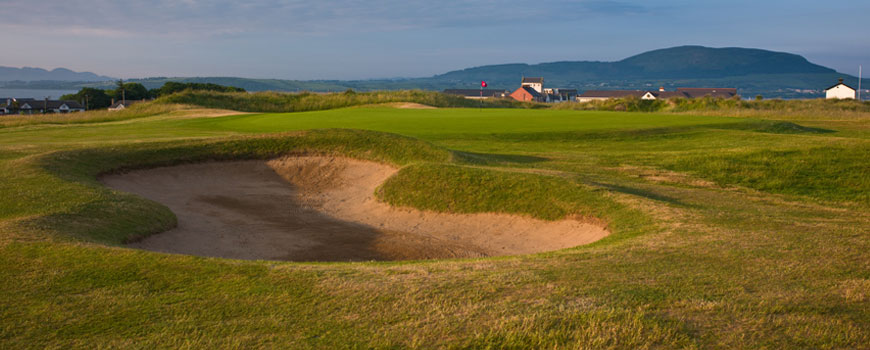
x=451, y=188
x=829, y=173
x=690, y=264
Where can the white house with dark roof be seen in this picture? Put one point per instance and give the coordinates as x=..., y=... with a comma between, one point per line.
x=120, y=105
x=840, y=91
x=48, y=106
x=660, y=94
x=593, y=95
x=535, y=83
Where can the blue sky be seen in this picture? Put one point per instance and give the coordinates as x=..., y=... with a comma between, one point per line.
x=356, y=39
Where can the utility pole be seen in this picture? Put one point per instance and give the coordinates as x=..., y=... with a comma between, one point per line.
x=859, y=83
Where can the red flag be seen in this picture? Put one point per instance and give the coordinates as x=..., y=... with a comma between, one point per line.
x=483, y=84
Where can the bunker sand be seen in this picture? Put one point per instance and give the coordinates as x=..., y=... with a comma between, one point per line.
x=324, y=209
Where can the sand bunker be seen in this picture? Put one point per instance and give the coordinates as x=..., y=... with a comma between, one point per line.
x=323, y=209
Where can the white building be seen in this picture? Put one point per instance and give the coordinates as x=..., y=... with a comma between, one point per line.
x=120, y=105
x=32, y=106
x=534, y=83
x=840, y=91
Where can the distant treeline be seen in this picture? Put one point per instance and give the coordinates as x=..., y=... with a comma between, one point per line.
x=93, y=98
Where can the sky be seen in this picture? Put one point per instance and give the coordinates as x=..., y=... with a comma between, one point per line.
x=356, y=39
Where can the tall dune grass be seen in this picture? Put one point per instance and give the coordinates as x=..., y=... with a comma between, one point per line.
x=815, y=108
x=139, y=110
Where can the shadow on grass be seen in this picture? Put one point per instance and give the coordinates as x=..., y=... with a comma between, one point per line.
x=772, y=127
x=644, y=193
x=493, y=158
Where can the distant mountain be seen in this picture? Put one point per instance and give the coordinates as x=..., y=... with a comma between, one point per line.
x=38, y=74
x=751, y=71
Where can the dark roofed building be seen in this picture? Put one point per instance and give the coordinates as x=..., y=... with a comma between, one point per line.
x=477, y=93
x=591, y=95
x=534, y=83
x=664, y=95
x=560, y=95
x=657, y=94
x=117, y=106
x=30, y=106
x=528, y=94
x=840, y=91
x=712, y=92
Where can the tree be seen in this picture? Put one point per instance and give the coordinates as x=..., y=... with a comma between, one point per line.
x=91, y=98
x=172, y=87
x=129, y=91
x=121, y=93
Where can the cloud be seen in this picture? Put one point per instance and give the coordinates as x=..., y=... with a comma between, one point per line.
x=198, y=18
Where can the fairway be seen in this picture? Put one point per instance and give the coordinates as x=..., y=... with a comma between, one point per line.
x=721, y=232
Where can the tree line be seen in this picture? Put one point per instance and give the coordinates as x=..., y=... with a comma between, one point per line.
x=93, y=98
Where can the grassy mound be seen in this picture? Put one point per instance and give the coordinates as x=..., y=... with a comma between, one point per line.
x=459, y=189
x=829, y=173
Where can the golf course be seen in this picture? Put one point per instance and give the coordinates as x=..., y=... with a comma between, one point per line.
x=177, y=224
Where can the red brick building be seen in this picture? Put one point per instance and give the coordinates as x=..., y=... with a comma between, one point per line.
x=527, y=94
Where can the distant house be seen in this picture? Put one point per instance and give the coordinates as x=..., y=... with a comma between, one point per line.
x=535, y=83
x=527, y=94
x=477, y=93
x=31, y=106
x=532, y=89
x=840, y=91
x=6, y=105
x=661, y=94
x=560, y=95
x=593, y=95
x=117, y=106
x=712, y=92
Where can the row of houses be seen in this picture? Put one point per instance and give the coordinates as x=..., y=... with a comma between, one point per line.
x=530, y=90
x=11, y=105
x=533, y=90
x=593, y=95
